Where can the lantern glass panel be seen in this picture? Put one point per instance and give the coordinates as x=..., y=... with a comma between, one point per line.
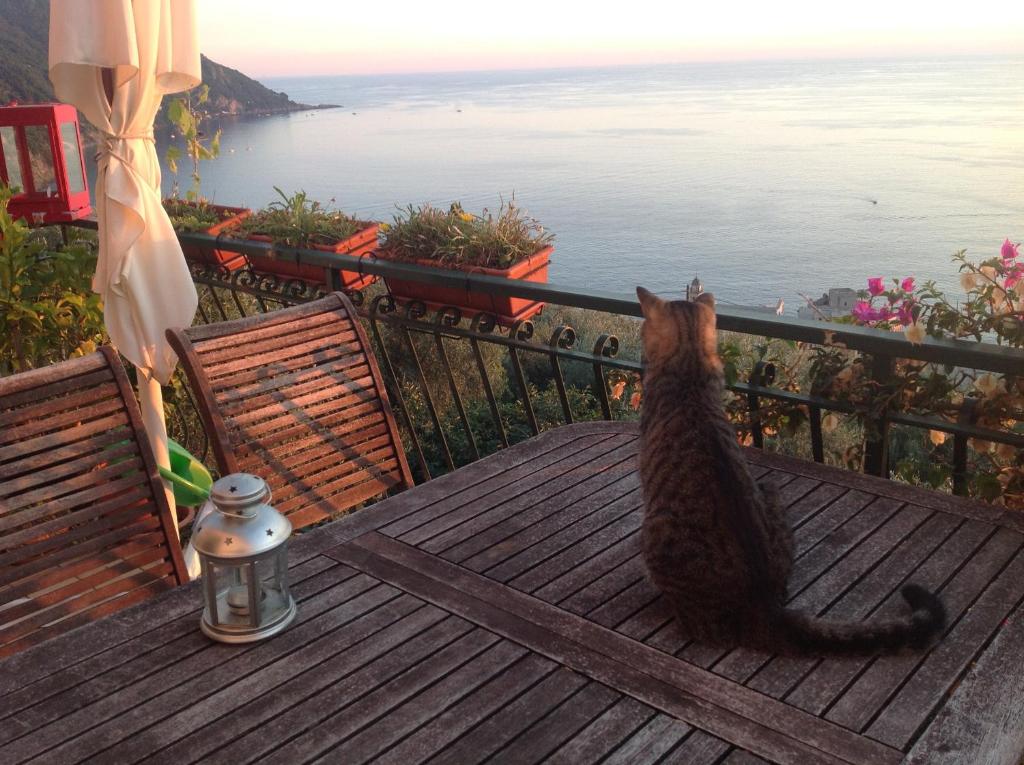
x=231, y=583
x=72, y=157
x=10, y=158
x=273, y=582
x=44, y=178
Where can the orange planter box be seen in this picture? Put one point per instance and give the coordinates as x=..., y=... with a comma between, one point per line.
x=361, y=243
x=230, y=217
x=508, y=309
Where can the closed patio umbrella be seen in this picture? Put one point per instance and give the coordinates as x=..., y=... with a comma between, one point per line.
x=115, y=60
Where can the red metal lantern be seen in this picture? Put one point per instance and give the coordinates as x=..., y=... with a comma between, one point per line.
x=41, y=154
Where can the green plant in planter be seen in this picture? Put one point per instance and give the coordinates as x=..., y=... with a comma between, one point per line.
x=186, y=117
x=198, y=216
x=456, y=238
x=48, y=311
x=298, y=221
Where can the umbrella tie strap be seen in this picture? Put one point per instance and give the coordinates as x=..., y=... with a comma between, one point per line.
x=113, y=144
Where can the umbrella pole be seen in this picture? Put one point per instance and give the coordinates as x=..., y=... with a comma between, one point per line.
x=151, y=400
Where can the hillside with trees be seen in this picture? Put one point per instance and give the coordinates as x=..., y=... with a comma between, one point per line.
x=24, y=31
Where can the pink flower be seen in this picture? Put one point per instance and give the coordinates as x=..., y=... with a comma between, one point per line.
x=863, y=312
x=875, y=286
x=866, y=313
x=1009, y=250
x=907, y=285
x=905, y=315
x=1013, y=276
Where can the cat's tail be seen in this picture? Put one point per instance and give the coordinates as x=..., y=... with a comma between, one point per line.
x=809, y=634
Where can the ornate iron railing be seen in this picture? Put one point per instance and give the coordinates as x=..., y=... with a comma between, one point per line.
x=454, y=411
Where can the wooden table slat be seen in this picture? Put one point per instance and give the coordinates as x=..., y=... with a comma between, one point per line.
x=481, y=703
x=604, y=734
x=652, y=742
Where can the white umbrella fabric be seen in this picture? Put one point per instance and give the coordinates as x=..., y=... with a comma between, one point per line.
x=144, y=49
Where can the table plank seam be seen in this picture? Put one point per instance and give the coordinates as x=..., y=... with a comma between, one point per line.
x=450, y=656
x=616, y=491
x=502, y=481
x=582, y=471
x=547, y=669
x=464, y=682
x=438, y=490
x=564, y=536
x=585, y=475
x=962, y=506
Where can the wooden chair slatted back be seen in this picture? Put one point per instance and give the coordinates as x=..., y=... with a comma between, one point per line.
x=295, y=396
x=85, y=528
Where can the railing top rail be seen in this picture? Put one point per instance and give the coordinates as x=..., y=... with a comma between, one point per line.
x=959, y=353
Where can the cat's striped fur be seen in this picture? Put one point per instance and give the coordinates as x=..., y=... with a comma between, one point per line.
x=716, y=542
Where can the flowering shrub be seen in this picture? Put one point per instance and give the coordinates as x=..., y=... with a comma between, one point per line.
x=991, y=312
x=897, y=307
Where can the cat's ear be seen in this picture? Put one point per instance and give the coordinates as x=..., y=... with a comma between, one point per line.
x=707, y=299
x=650, y=304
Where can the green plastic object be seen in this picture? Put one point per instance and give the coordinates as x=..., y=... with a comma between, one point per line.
x=189, y=478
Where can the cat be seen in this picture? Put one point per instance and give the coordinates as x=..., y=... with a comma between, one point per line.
x=714, y=540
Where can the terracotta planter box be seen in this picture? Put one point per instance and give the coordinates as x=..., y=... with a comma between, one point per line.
x=508, y=309
x=361, y=243
x=230, y=217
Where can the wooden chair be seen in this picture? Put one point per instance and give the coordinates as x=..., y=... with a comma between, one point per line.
x=295, y=396
x=85, y=528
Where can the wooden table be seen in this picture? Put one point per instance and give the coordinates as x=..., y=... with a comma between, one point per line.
x=502, y=612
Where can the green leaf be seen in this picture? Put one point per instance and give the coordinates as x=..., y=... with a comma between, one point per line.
x=175, y=111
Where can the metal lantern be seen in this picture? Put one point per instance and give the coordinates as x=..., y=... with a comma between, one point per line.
x=242, y=544
x=41, y=155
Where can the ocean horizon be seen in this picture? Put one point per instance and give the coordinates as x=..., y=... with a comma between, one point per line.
x=766, y=179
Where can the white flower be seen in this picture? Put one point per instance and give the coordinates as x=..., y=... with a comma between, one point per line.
x=968, y=281
x=989, y=272
x=915, y=333
x=937, y=437
x=829, y=422
x=987, y=384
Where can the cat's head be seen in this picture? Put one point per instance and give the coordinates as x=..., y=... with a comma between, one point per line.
x=680, y=331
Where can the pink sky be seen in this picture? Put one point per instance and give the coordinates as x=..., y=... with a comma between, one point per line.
x=264, y=38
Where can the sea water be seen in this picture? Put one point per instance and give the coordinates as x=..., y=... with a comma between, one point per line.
x=767, y=180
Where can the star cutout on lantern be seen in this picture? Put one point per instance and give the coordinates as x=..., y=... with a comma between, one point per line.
x=228, y=540
x=270, y=532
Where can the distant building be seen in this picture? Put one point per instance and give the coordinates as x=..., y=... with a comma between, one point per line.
x=838, y=302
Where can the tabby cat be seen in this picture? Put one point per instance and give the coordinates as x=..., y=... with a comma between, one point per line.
x=716, y=542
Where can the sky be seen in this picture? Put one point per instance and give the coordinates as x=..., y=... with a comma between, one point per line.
x=317, y=37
